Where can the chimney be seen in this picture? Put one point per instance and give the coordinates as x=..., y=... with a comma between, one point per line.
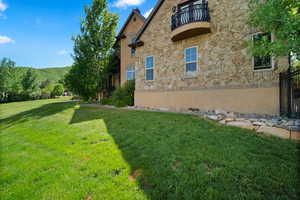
x=137, y=10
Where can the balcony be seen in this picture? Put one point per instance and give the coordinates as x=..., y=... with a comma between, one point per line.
x=190, y=21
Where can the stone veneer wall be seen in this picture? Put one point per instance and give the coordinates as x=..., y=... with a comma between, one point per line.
x=224, y=60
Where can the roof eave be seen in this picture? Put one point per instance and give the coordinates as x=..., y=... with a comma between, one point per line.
x=156, y=8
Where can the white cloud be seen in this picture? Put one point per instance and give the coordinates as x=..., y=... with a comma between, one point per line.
x=5, y=40
x=3, y=6
x=62, y=52
x=126, y=3
x=146, y=14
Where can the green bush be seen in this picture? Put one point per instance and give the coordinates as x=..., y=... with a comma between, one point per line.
x=58, y=90
x=124, y=96
x=106, y=101
x=45, y=94
x=34, y=95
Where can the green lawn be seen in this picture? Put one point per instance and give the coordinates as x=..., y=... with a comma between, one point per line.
x=53, y=149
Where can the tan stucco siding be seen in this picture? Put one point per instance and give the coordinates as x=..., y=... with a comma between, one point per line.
x=126, y=58
x=244, y=100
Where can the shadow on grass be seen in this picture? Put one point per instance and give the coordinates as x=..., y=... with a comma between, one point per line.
x=36, y=113
x=181, y=157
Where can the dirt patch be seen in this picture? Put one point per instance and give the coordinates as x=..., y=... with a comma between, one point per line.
x=135, y=174
x=88, y=197
x=176, y=164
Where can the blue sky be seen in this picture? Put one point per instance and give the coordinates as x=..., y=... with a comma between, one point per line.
x=38, y=33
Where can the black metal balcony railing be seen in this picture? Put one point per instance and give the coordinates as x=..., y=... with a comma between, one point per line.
x=190, y=14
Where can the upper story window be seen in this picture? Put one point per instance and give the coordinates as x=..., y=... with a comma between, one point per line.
x=191, y=60
x=130, y=73
x=149, y=68
x=132, y=51
x=266, y=61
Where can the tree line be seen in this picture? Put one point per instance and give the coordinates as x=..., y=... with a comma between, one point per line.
x=15, y=85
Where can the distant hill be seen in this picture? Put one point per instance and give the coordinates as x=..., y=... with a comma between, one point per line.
x=52, y=74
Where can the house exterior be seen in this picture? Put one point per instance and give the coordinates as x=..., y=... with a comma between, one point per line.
x=125, y=37
x=193, y=54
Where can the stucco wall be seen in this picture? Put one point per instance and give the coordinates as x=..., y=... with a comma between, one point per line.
x=126, y=58
x=224, y=59
x=246, y=100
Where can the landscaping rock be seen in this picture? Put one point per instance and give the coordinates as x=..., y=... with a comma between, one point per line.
x=213, y=117
x=163, y=109
x=258, y=124
x=270, y=124
x=290, y=123
x=222, y=112
x=223, y=121
x=279, y=132
x=242, y=124
x=229, y=120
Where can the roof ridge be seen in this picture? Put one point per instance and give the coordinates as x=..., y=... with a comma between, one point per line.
x=148, y=20
x=134, y=11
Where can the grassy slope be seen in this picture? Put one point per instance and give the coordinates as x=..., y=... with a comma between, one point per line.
x=56, y=150
x=52, y=74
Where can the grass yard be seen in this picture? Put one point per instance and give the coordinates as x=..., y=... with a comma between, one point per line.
x=54, y=149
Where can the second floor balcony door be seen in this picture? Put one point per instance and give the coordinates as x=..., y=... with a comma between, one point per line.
x=191, y=12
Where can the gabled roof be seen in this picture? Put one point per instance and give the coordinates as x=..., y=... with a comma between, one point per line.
x=154, y=11
x=134, y=11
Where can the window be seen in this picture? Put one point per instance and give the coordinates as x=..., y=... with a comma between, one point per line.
x=130, y=73
x=191, y=59
x=262, y=62
x=133, y=50
x=149, y=68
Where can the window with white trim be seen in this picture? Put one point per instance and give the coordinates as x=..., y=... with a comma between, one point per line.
x=191, y=59
x=130, y=73
x=264, y=62
x=149, y=68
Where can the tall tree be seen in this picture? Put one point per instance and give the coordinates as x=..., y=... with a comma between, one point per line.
x=282, y=18
x=92, y=48
x=29, y=81
x=9, y=78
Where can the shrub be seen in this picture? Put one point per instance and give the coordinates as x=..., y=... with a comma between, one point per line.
x=34, y=95
x=124, y=96
x=45, y=94
x=58, y=90
x=106, y=101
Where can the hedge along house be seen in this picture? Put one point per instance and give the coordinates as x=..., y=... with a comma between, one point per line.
x=193, y=54
x=125, y=38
